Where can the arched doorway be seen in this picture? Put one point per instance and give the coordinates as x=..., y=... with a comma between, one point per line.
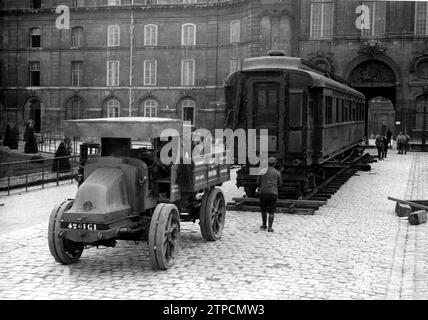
x=375, y=78
x=381, y=116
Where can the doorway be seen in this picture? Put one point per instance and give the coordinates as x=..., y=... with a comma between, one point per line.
x=35, y=114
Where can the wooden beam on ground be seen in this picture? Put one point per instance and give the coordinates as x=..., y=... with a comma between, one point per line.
x=283, y=201
x=410, y=203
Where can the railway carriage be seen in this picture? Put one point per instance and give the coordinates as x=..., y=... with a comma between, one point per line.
x=311, y=115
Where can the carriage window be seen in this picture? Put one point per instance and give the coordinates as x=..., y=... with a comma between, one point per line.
x=266, y=109
x=328, y=110
x=337, y=109
x=344, y=111
x=348, y=116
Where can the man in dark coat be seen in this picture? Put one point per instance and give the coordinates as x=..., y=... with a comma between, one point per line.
x=30, y=138
x=6, y=139
x=63, y=150
x=388, y=136
x=385, y=146
x=14, y=137
x=379, y=146
x=268, y=192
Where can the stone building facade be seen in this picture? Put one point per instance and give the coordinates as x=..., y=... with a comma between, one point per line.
x=169, y=57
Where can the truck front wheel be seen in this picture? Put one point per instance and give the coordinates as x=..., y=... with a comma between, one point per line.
x=64, y=251
x=164, y=236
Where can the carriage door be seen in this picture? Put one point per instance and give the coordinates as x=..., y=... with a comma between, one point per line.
x=266, y=110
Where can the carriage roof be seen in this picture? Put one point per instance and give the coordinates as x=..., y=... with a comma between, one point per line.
x=269, y=63
x=126, y=127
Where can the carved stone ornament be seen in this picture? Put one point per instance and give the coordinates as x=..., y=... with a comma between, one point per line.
x=372, y=71
x=322, y=60
x=372, y=49
x=419, y=65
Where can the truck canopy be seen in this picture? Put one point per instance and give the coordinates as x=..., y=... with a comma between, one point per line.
x=126, y=127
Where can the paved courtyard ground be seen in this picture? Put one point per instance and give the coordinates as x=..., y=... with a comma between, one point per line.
x=355, y=247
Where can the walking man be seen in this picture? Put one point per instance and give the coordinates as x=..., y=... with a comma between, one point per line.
x=400, y=139
x=389, y=136
x=379, y=146
x=385, y=146
x=406, y=139
x=268, y=192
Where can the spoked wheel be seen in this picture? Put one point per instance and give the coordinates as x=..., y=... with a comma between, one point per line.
x=213, y=214
x=64, y=251
x=164, y=236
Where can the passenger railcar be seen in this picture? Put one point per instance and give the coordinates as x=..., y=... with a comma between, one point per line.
x=311, y=115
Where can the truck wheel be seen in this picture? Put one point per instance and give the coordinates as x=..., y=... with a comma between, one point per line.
x=164, y=236
x=64, y=251
x=250, y=191
x=213, y=214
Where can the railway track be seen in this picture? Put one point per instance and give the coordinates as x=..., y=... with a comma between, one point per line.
x=314, y=199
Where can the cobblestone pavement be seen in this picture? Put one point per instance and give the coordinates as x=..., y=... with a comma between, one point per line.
x=355, y=247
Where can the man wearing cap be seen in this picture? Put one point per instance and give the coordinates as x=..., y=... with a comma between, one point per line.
x=268, y=192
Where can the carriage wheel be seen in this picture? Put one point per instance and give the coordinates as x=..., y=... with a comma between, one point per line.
x=164, y=236
x=213, y=214
x=64, y=251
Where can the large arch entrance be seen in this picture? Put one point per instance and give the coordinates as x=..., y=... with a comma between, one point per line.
x=374, y=78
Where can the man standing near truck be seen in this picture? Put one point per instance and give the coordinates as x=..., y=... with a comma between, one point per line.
x=268, y=193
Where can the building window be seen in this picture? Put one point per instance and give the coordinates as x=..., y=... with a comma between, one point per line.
x=79, y=3
x=35, y=39
x=112, y=73
x=74, y=110
x=34, y=74
x=150, y=108
x=322, y=19
x=36, y=4
x=234, y=65
x=113, y=108
x=150, y=67
x=377, y=13
x=188, y=34
x=421, y=14
x=235, y=31
x=76, y=37
x=76, y=73
x=188, y=72
x=114, y=2
x=150, y=35
x=188, y=110
x=113, y=36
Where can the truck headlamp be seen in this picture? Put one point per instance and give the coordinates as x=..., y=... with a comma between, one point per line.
x=87, y=206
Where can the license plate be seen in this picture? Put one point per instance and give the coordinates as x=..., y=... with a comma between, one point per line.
x=81, y=226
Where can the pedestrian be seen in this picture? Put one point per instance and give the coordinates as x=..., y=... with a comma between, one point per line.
x=389, y=136
x=268, y=193
x=379, y=146
x=6, y=139
x=63, y=151
x=14, y=138
x=400, y=139
x=385, y=146
x=30, y=138
x=406, y=139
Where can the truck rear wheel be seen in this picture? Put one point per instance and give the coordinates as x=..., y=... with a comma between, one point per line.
x=164, y=236
x=213, y=214
x=64, y=251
